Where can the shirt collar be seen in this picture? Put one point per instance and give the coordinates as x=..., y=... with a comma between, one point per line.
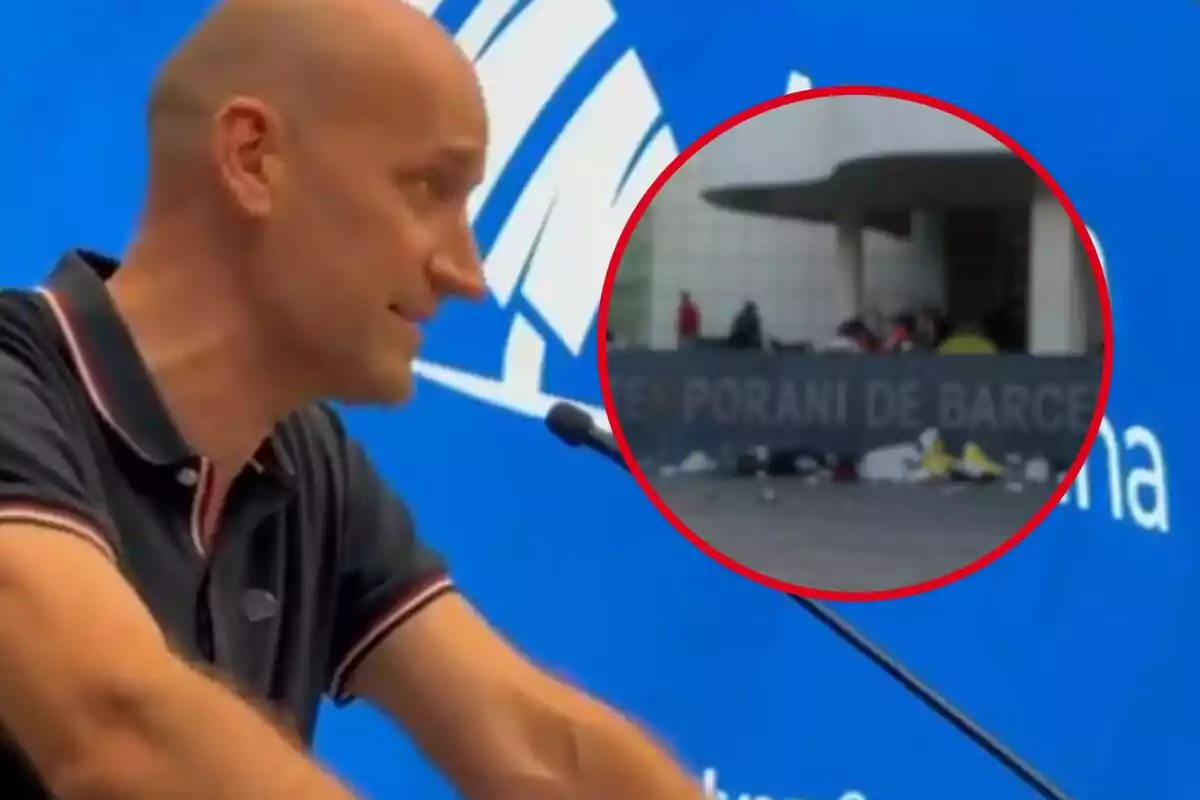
x=113, y=373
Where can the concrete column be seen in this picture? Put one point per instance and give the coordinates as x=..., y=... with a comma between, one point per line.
x=1057, y=299
x=1092, y=330
x=851, y=263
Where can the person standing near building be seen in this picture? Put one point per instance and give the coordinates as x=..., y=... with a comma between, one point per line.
x=687, y=322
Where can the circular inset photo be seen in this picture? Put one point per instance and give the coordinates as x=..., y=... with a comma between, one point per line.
x=857, y=343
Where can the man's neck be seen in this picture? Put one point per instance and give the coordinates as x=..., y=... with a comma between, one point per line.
x=204, y=351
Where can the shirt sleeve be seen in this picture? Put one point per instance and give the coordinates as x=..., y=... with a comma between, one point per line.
x=387, y=574
x=48, y=473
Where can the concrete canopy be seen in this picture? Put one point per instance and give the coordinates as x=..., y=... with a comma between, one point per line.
x=884, y=190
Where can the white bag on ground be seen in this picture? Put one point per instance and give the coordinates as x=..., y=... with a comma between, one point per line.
x=896, y=463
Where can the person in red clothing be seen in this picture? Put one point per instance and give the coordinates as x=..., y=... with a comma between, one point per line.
x=902, y=338
x=687, y=324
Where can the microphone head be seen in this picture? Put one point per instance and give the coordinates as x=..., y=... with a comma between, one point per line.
x=570, y=423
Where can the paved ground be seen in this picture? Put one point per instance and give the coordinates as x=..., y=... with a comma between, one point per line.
x=851, y=537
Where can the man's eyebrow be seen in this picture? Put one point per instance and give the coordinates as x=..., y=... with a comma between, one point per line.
x=463, y=158
x=465, y=152
x=457, y=155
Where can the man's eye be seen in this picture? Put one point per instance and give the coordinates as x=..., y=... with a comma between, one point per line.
x=431, y=186
x=438, y=187
x=416, y=184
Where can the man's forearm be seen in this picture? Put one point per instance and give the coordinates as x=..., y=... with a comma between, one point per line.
x=618, y=759
x=563, y=745
x=183, y=735
x=99, y=705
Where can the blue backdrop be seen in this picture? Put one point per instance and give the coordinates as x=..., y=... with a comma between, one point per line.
x=1078, y=649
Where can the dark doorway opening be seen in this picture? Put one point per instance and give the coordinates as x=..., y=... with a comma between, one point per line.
x=986, y=254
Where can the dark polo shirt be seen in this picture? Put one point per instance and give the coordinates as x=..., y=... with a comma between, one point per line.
x=315, y=559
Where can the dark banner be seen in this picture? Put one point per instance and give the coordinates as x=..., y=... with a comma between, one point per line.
x=672, y=403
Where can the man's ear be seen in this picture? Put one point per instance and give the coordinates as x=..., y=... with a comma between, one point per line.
x=245, y=146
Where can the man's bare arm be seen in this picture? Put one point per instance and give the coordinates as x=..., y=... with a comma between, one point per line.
x=92, y=694
x=501, y=728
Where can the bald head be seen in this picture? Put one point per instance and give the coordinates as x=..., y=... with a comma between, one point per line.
x=311, y=163
x=305, y=60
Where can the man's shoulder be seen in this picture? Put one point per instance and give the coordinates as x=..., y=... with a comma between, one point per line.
x=30, y=352
x=43, y=399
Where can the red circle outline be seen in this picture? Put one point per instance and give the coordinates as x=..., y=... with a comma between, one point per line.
x=1105, y=313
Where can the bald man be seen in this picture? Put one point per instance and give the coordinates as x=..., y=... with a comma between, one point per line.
x=192, y=550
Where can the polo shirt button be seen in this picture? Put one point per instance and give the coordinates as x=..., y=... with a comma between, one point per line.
x=187, y=476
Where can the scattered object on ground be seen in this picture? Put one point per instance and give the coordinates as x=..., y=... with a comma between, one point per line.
x=697, y=463
x=926, y=459
x=897, y=463
x=935, y=461
x=976, y=466
x=1037, y=470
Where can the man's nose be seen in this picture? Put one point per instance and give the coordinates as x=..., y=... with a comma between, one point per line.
x=457, y=269
x=459, y=276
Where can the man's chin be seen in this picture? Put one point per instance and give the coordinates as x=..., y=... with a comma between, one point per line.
x=397, y=391
x=385, y=388
x=400, y=393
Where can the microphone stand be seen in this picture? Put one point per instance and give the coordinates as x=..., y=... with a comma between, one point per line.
x=923, y=692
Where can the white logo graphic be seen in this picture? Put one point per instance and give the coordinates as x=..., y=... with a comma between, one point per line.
x=555, y=244
x=1130, y=469
x=714, y=791
x=798, y=83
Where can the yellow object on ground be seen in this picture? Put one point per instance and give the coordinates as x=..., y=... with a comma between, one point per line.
x=976, y=463
x=935, y=460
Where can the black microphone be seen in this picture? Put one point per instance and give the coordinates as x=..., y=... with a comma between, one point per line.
x=575, y=427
